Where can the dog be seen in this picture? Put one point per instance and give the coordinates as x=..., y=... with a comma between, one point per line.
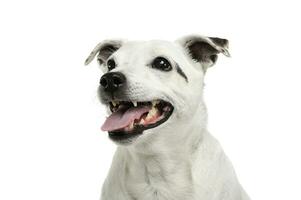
x=153, y=93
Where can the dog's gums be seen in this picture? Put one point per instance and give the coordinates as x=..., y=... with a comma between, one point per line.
x=129, y=119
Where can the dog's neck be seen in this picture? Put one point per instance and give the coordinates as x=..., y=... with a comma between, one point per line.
x=169, y=160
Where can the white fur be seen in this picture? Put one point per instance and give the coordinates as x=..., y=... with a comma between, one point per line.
x=179, y=159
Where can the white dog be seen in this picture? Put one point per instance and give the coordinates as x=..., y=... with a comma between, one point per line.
x=154, y=94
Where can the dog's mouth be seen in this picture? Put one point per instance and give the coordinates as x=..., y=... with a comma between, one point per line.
x=129, y=119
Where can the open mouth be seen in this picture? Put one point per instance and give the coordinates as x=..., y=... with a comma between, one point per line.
x=129, y=119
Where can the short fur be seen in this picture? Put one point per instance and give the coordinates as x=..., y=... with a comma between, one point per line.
x=180, y=159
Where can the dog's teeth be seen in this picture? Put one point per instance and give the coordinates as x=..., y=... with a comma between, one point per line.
x=131, y=125
x=148, y=117
x=114, y=103
x=135, y=103
x=151, y=113
x=155, y=102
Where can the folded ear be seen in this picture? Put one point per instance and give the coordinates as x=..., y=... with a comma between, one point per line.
x=104, y=50
x=205, y=49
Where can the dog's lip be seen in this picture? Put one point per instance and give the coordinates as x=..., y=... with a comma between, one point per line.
x=137, y=129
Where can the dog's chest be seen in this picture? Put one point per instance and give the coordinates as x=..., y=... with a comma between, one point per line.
x=152, y=179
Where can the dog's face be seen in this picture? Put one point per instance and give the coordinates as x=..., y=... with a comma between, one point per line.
x=154, y=86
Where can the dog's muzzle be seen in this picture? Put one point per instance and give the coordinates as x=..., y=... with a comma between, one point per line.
x=128, y=119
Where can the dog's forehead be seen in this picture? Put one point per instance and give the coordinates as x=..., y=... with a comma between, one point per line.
x=148, y=49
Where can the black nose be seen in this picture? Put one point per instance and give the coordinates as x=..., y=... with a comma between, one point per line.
x=112, y=81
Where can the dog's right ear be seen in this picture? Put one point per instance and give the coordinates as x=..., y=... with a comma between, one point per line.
x=104, y=50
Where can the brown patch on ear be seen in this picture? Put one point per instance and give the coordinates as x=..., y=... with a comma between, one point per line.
x=104, y=50
x=220, y=42
x=203, y=52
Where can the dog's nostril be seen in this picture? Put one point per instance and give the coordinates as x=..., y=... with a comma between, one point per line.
x=104, y=82
x=117, y=80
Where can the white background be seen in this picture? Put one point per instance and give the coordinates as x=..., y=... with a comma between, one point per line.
x=51, y=146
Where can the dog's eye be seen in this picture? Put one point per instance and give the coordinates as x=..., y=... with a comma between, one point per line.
x=111, y=64
x=162, y=64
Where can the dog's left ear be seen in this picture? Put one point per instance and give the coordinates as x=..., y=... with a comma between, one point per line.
x=104, y=50
x=205, y=49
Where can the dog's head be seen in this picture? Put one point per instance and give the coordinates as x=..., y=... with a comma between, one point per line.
x=150, y=87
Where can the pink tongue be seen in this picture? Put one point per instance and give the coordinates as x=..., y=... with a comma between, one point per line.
x=121, y=119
